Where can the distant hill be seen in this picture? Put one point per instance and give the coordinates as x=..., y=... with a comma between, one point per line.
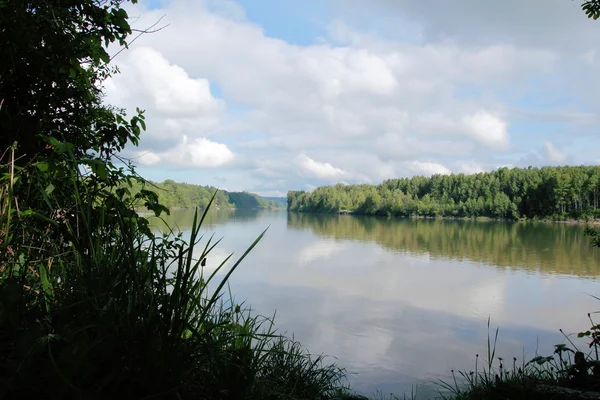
x=281, y=201
x=247, y=200
x=184, y=195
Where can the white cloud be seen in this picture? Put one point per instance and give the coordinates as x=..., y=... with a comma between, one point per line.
x=330, y=91
x=553, y=153
x=488, y=129
x=147, y=158
x=367, y=99
x=427, y=168
x=148, y=77
x=199, y=153
x=399, y=146
x=176, y=105
x=318, y=169
x=344, y=70
x=549, y=24
x=204, y=153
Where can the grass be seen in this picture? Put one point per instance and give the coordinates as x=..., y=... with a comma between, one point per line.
x=102, y=310
x=567, y=374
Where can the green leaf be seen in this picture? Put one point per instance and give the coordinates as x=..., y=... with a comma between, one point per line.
x=99, y=169
x=60, y=147
x=42, y=166
x=46, y=286
x=121, y=13
x=104, y=56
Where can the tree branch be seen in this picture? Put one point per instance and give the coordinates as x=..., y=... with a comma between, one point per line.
x=141, y=32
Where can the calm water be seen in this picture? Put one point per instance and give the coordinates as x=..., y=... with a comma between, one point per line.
x=401, y=303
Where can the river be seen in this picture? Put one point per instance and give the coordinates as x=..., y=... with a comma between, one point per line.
x=400, y=303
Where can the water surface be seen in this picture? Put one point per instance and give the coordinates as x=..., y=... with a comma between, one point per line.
x=402, y=302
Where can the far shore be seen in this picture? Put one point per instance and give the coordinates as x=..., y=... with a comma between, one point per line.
x=143, y=211
x=590, y=221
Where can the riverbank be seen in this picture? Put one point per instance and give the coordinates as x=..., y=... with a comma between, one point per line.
x=563, y=220
x=145, y=212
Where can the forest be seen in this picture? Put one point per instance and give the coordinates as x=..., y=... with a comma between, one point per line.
x=173, y=194
x=568, y=192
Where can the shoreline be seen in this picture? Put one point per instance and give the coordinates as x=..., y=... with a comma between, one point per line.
x=143, y=211
x=591, y=221
x=579, y=221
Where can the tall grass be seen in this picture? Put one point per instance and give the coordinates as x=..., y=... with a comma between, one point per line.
x=106, y=311
x=568, y=373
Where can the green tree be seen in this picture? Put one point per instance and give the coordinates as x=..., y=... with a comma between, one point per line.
x=548, y=192
x=53, y=60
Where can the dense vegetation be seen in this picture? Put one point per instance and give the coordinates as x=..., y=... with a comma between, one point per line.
x=172, y=194
x=548, y=192
x=94, y=305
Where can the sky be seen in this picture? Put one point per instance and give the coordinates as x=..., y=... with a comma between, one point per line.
x=269, y=96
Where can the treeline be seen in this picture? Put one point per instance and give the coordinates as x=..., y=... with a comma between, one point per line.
x=548, y=192
x=173, y=194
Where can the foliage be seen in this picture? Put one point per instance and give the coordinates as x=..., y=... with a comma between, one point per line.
x=591, y=8
x=548, y=192
x=53, y=59
x=64, y=141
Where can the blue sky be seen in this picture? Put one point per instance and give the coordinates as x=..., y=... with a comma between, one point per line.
x=268, y=96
